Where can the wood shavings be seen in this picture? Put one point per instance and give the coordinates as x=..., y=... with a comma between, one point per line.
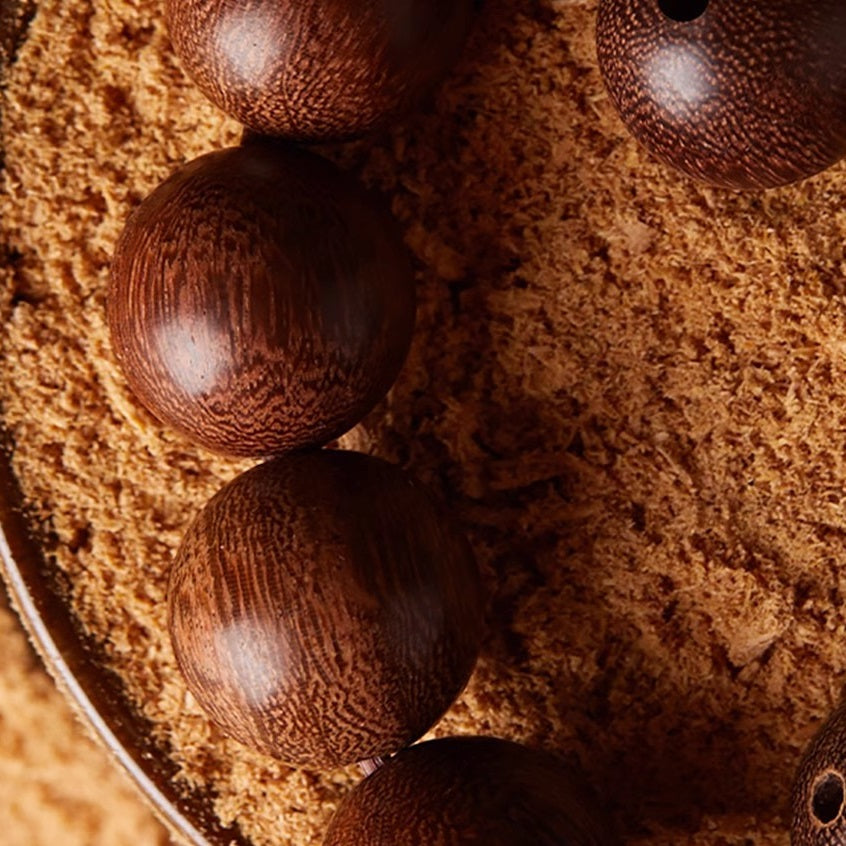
x=628, y=387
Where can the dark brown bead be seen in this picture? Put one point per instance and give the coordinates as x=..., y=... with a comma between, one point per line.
x=745, y=94
x=464, y=790
x=819, y=793
x=260, y=301
x=324, y=609
x=317, y=69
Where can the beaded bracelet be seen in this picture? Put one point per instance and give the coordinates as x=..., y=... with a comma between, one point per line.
x=323, y=608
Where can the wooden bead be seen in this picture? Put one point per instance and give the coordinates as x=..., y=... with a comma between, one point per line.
x=470, y=790
x=324, y=609
x=745, y=94
x=819, y=792
x=314, y=70
x=260, y=301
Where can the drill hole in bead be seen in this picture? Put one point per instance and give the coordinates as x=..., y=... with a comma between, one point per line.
x=827, y=798
x=683, y=11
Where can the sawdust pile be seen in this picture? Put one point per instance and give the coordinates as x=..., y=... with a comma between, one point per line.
x=630, y=389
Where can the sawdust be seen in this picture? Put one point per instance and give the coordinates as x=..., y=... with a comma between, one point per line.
x=628, y=387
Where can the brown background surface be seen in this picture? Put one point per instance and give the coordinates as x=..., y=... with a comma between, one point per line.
x=59, y=787
x=628, y=387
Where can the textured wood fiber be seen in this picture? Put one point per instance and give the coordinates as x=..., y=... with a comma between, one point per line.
x=818, y=816
x=324, y=609
x=312, y=70
x=465, y=790
x=260, y=301
x=746, y=95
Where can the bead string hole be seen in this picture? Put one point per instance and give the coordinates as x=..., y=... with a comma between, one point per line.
x=683, y=10
x=827, y=801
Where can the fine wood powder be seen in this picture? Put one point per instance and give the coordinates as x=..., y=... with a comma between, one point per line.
x=630, y=389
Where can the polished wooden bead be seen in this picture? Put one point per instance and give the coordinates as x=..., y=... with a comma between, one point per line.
x=324, y=609
x=819, y=792
x=463, y=790
x=315, y=70
x=260, y=300
x=745, y=94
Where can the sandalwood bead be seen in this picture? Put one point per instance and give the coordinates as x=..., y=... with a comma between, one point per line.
x=819, y=792
x=463, y=790
x=324, y=608
x=745, y=94
x=314, y=70
x=260, y=301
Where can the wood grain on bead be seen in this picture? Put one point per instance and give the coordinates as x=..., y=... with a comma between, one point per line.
x=819, y=792
x=260, y=301
x=740, y=95
x=464, y=790
x=324, y=609
x=316, y=69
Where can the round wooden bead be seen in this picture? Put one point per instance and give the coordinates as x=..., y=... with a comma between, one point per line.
x=740, y=95
x=315, y=70
x=260, y=301
x=819, y=792
x=470, y=790
x=324, y=609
